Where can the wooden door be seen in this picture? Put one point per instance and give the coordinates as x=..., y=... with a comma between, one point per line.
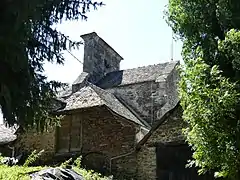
x=171, y=163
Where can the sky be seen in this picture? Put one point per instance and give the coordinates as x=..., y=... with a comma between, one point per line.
x=136, y=29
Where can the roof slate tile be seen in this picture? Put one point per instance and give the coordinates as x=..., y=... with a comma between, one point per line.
x=136, y=75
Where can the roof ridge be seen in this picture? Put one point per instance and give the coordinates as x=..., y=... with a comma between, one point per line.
x=132, y=111
x=135, y=75
x=101, y=93
x=145, y=66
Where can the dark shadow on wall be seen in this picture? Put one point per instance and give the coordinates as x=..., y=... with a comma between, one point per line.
x=110, y=80
x=96, y=161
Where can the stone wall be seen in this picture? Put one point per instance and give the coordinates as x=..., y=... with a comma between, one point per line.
x=169, y=131
x=32, y=140
x=152, y=99
x=122, y=163
x=146, y=163
x=103, y=135
x=111, y=134
x=99, y=57
x=107, y=137
x=145, y=98
x=172, y=89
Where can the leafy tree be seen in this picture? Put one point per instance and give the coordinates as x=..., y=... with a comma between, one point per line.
x=209, y=87
x=27, y=40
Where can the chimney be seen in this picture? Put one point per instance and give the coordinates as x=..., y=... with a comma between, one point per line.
x=99, y=57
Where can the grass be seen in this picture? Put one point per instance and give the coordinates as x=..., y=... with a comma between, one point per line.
x=22, y=173
x=17, y=172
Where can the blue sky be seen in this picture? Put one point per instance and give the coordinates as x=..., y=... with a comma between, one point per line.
x=136, y=29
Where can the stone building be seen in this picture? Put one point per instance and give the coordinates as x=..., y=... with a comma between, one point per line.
x=119, y=120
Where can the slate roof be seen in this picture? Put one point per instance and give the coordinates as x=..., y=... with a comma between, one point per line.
x=115, y=105
x=136, y=75
x=81, y=78
x=84, y=98
x=68, y=91
x=92, y=96
x=6, y=135
x=65, y=93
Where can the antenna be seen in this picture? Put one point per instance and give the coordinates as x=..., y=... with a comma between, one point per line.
x=172, y=46
x=152, y=113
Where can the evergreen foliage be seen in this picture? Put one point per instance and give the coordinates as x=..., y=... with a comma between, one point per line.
x=27, y=40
